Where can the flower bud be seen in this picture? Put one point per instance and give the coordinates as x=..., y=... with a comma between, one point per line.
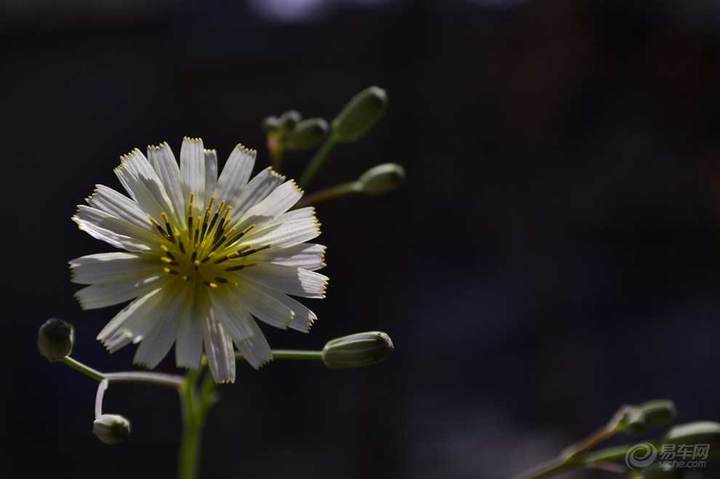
x=307, y=134
x=357, y=350
x=55, y=339
x=702, y=432
x=651, y=414
x=289, y=120
x=359, y=115
x=111, y=428
x=271, y=124
x=382, y=179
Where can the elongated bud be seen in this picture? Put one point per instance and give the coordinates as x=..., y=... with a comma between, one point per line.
x=357, y=350
x=55, y=339
x=382, y=179
x=360, y=115
x=702, y=432
x=111, y=429
x=648, y=415
x=307, y=134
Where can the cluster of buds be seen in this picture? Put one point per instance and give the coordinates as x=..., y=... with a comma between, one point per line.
x=290, y=132
x=56, y=338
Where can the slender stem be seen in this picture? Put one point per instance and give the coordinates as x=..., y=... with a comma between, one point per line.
x=561, y=465
x=99, y=395
x=331, y=193
x=318, y=160
x=158, y=379
x=190, y=442
x=83, y=369
x=290, y=354
x=195, y=406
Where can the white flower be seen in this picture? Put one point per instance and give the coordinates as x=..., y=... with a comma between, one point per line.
x=203, y=257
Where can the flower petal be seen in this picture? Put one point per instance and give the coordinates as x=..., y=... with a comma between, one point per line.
x=110, y=237
x=116, y=225
x=276, y=203
x=118, y=205
x=189, y=345
x=263, y=306
x=163, y=161
x=256, y=349
x=308, y=256
x=219, y=350
x=290, y=229
x=135, y=320
x=233, y=315
x=211, y=171
x=192, y=170
x=304, y=318
x=236, y=173
x=255, y=191
x=143, y=184
x=108, y=294
x=294, y=281
x=110, y=267
x=157, y=343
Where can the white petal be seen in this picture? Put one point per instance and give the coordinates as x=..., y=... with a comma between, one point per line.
x=256, y=349
x=192, y=170
x=163, y=161
x=276, y=203
x=236, y=173
x=304, y=318
x=211, y=171
x=143, y=183
x=255, y=191
x=294, y=281
x=290, y=229
x=136, y=319
x=110, y=267
x=189, y=345
x=219, y=350
x=110, y=237
x=263, y=306
x=118, y=226
x=233, y=315
x=108, y=294
x=119, y=205
x=157, y=343
x=308, y=256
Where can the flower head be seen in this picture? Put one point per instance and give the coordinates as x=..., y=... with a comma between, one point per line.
x=205, y=255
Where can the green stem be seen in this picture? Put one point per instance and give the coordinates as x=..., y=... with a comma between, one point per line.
x=561, y=465
x=83, y=369
x=331, y=193
x=317, y=162
x=193, y=419
x=296, y=355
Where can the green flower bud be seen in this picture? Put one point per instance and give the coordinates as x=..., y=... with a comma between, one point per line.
x=307, y=134
x=271, y=124
x=357, y=350
x=702, y=432
x=289, y=120
x=55, y=339
x=651, y=414
x=359, y=115
x=111, y=429
x=382, y=179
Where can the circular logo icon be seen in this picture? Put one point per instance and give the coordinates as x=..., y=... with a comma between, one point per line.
x=641, y=456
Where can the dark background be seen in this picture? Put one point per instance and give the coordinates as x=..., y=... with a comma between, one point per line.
x=554, y=254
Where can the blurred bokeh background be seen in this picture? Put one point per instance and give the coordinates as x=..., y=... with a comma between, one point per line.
x=554, y=254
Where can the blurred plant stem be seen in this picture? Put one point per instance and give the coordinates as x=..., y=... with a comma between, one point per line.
x=562, y=464
x=331, y=193
x=159, y=379
x=318, y=161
